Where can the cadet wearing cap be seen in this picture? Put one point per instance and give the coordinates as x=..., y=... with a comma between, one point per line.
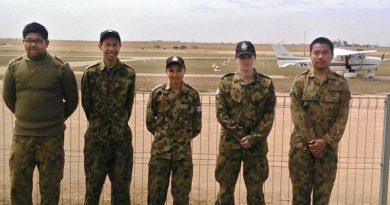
x=174, y=117
x=107, y=93
x=245, y=104
x=41, y=90
x=319, y=111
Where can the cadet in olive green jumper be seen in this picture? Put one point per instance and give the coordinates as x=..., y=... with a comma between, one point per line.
x=41, y=91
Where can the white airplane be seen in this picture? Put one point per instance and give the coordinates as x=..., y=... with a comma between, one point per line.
x=345, y=62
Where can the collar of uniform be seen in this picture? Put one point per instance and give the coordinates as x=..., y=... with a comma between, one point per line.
x=311, y=74
x=29, y=59
x=331, y=75
x=115, y=68
x=183, y=87
x=101, y=65
x=237, y=78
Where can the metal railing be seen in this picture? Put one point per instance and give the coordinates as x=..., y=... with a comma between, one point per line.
x=359, y=166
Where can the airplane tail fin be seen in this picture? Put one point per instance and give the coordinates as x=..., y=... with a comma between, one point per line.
x=280, y=50
x=283, y=57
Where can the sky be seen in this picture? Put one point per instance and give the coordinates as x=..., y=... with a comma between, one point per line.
x=214, y=21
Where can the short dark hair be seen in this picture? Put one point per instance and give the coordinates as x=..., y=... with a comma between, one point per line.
x=322, y=40
x=35, y=27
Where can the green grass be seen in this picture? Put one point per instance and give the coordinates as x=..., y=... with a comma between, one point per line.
x=209, y=85
x=4, y=61
x=204, y=66
x=193, y=66
x=384, y=69
x=5, y=57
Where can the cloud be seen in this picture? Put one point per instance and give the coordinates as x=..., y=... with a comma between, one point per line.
x=203, y=20
x=288, y=6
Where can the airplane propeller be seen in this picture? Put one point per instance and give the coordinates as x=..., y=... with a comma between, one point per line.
x=382, y=58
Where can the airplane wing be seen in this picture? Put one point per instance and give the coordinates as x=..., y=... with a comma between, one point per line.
x=302, y=63
x=345, y=52
x=283, y=65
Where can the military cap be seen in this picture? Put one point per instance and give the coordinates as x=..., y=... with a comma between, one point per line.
x=175, y=60
x=245, y=48
x=109, y=33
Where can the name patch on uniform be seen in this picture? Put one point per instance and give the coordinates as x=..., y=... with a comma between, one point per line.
x=199, y=109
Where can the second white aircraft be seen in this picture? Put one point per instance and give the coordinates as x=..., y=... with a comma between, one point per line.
x=345, y=62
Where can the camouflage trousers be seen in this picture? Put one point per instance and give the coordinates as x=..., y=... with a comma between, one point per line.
x=102, y=158
x=309, y=174
x=45, y=152
x=160, y=170
x=255, y=173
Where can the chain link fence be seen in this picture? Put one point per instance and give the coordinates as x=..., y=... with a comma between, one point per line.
x=359, y=167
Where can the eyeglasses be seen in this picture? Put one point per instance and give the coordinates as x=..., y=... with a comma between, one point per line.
x=31, y=41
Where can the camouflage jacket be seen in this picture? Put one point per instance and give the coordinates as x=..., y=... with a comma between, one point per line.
x=245, y=110
x=174, y=120
x=107, y=98
x=319, y=110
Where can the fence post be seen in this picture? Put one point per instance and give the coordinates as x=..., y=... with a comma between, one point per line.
x=385, y=153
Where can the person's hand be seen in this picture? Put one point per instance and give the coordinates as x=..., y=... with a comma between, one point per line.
x=245, y=143
x=317, y=146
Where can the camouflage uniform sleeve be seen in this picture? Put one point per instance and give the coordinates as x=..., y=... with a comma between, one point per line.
x=9, y=89
x=299, y=117
x=334, y=134
x=130, y=96
x=197, y=118
x=265, y=125
x=223, y=117
x=69, y=86
x=151, y=113
x=86, y=97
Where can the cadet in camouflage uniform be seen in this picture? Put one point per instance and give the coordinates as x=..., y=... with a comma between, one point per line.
x=319, y=110
x=41, y=91
x=245, y=104
x=107, y=91
x=174, y=117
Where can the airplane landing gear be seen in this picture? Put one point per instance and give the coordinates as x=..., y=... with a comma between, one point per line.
x=340, y=72
x=350, y=75
x=369, y=74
